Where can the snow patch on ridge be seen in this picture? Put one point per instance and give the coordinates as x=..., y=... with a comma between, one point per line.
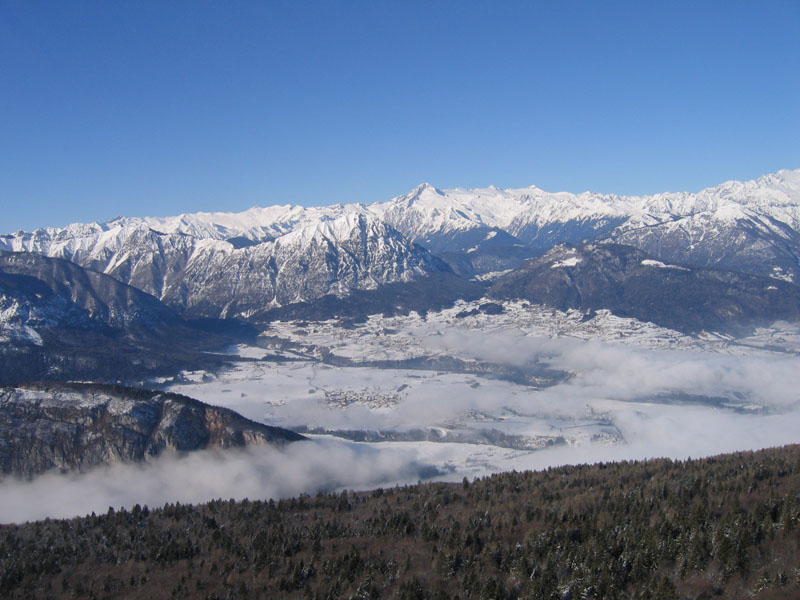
x=567, y=262
x=648, y=262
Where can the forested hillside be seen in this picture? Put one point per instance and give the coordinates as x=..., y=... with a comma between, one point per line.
x=718, y=527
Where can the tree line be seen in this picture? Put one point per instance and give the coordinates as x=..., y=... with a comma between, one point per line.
x=718, y=527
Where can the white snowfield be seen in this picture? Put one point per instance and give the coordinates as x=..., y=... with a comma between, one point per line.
x=567, y=262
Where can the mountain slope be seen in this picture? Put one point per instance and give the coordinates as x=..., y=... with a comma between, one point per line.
x=214, y=277
x=77, y=426
x=721, y=527
x=59, y=320
x=337, y=257
x=103, y=298
x=630, y=283
x=732, y=237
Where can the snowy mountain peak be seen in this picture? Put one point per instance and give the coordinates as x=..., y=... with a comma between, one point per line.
x=425, y=187
x=335, y=230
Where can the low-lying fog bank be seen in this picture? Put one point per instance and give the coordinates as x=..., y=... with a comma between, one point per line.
x=661, y=403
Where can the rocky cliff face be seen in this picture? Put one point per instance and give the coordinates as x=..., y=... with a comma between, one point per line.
x=328, y=258
x=78, y=426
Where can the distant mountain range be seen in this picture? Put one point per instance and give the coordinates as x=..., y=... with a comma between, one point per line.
x=424, y=249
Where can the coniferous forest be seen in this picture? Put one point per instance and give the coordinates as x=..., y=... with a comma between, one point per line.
x=722, y=527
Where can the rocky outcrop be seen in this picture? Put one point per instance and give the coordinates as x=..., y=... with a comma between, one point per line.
x=78, y=426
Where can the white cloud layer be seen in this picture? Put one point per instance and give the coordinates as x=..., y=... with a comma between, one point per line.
x=674, y=403
x=258, y=472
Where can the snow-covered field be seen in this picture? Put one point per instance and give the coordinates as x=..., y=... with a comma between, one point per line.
x=603, y=388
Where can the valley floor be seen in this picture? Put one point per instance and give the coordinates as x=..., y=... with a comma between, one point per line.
x=466, y=392
x=479, y=389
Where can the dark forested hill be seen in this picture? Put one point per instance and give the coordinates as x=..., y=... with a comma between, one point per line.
x=723, y=527
x=630, y=283
x=61, y=321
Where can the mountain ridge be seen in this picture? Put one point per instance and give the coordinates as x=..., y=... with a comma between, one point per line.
x=240, y=264
x=782, y=187
x=632, y=283
x=59, y=320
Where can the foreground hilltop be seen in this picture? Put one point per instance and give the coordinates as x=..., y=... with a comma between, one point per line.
x=718, y=527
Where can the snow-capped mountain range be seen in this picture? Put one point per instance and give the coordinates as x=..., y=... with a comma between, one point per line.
x=204, y=274
x=232, y=264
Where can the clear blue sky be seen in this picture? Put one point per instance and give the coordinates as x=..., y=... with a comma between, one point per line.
x=156, y=108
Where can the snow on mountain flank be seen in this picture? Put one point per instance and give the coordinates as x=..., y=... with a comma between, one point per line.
x=657, y=263
x=567, y=262
x=752, y=226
